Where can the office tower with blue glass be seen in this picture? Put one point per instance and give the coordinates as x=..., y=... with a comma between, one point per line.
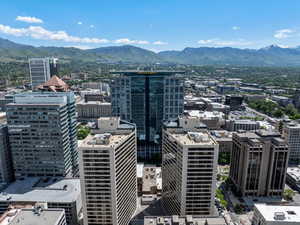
x=42, y=134
x=147, y=98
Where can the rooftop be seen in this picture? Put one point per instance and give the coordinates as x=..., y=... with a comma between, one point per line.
x=293, y=125
x=169, y=220
x=93, y=103
x=294, y=172
x=193, y=138
x=29, y=216
x=35, y=189
x=152, y=178
x=244, y=122
x=272, y=213
x=103, y=140
x=220, y=135
x=204, y=114
x=55, y=84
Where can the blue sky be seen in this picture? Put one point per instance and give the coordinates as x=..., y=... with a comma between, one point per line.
x=153, y=24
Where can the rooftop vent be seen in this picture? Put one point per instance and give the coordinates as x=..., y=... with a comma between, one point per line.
x=198, y=137
x=100, y=139
x=279, y=216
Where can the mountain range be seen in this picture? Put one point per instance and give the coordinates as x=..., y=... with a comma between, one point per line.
x=269, y=56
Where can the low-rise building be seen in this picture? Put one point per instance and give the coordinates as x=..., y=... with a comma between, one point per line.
x=251, y=90
x=139, y=177
x=92, y=110
x=293, y=177
x=152, y=181
x=218, y=107
x=213, y=120
x=282, y=100
x=222, y=89
x=55, y=192
x=33, y=216
x=183, y=220
x=276, y=215
x=236, y=125
x=224, y=139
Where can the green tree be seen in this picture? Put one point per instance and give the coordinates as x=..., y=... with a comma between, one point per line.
x=238, y=209
x=224, y=158
x=220, y=196
x=288, y=194
x=278, y=113
x=82, y=132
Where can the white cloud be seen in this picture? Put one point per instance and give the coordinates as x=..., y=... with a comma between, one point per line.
x=160, y=43
x=79, y=23
x=92, y=26
x=236, y=28
x=128, y=41
x=82, y=47
x=28, y=19
x=284, y=33
x=283, y=46
x=219, y=42
x=38, y=32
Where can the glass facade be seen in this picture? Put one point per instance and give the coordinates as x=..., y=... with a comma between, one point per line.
x=147, y=99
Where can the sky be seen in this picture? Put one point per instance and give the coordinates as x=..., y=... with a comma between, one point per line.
x=156, y=25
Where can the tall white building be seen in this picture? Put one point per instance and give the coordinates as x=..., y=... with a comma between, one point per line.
x=291, y=133
x=189, y=170
x=41, y=69
x=108, y=173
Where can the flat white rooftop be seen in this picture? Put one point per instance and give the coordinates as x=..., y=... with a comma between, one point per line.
x=28, y=216
x=35, y=189
x=294, y=172
x=205, y=114
x=289, y=213
x=105, y=140
x=194, y=138
x=93, y=103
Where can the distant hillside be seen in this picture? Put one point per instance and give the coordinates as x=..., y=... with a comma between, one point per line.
x=127, y=53
x=268, y=56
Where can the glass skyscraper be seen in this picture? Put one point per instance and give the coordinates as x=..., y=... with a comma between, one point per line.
x=147, y=98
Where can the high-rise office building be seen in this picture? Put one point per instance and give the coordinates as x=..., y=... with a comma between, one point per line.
x=6, y=170
x=108, y=173
x=259, y=163
x=147, y=99
x=189, y=167
x=291, y=133
x=41, y=70
x=42, y=134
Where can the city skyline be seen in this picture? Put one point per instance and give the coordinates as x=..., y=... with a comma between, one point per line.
x=157, y=26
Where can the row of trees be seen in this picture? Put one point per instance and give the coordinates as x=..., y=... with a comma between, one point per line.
x=273, y=109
